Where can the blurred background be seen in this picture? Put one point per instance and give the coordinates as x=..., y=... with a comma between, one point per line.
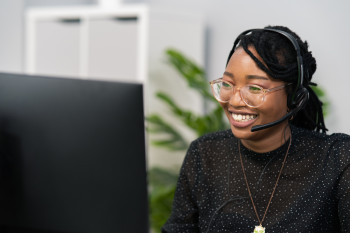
x=50, y=40
x=127, y=40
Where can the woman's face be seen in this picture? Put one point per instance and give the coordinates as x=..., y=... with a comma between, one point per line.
x=240, y=71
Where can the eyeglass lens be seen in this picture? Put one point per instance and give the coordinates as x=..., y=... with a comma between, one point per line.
x=252, y=95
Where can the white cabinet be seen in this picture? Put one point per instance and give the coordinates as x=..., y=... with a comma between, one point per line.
x=57, y=47
x=88, y=42
x=117, y=43
x=115, y=40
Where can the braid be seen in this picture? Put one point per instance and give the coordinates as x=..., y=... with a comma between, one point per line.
x=279, y=57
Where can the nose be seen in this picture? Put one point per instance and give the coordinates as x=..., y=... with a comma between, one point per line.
x=236, y=99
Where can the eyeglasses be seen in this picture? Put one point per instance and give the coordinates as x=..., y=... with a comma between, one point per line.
x=252, y=95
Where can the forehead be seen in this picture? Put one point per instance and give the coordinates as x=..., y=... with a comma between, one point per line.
x=242, y=53
x=241, y=64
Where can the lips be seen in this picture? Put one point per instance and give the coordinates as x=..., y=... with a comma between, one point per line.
x=241, y=119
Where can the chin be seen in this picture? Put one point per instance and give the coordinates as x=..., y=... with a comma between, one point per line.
x=242, y=133
x=246, y=134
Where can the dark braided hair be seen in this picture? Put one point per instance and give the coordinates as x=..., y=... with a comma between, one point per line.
x=279, y=55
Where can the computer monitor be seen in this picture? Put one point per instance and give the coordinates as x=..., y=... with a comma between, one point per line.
x=72, y=156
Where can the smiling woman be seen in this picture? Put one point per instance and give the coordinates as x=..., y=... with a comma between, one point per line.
x=276, y=169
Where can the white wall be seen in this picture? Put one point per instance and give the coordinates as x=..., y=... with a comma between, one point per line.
x=11, y=35
x=325, y=24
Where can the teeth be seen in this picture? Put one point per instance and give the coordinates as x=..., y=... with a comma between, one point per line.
x=242, y=118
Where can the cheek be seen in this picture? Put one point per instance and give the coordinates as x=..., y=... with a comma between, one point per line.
x=224, y=106
x=276, y=105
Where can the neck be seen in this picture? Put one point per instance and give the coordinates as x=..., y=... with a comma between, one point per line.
x=272, y=139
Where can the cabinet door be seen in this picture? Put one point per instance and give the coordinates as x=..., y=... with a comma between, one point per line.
x=57, y=47
x=112, y=50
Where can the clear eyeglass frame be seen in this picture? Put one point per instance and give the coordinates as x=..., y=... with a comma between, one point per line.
x=262, y=92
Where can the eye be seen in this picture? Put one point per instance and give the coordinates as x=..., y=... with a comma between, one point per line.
x=255, y=89
x=226, y=85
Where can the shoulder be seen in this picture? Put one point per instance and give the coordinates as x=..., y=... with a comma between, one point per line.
x=215, y=136
x=211, y=144
x=213, y=139
x=312, y=137
x=333, y=147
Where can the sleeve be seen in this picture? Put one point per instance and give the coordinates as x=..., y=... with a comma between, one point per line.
x=343, y=188
x=344, y=200
x=184, y=215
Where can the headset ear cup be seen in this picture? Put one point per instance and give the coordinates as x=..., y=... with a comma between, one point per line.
x=300, y=99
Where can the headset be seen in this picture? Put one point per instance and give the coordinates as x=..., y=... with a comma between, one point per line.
x=299, y=97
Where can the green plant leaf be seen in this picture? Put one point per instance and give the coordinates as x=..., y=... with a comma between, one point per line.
x=171, y=138
x=161, y=177
x=162, y=185
x=160, y=207
x=191, y=72
x=201, y=125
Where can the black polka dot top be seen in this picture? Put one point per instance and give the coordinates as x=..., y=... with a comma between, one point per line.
x=313, y=193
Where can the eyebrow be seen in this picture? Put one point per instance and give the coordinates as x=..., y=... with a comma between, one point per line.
x=228, y=74
x=248, y=76
x=257, y=77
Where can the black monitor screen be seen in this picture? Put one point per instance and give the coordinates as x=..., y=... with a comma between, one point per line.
x=72, y=156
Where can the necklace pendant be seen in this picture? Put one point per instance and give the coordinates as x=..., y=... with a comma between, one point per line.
x=259, y=229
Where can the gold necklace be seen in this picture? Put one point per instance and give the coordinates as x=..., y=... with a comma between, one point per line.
x=260, y=228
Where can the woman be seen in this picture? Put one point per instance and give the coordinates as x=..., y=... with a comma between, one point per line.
x=276, y=170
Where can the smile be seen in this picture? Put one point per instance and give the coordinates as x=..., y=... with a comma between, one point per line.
x=243, y=117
